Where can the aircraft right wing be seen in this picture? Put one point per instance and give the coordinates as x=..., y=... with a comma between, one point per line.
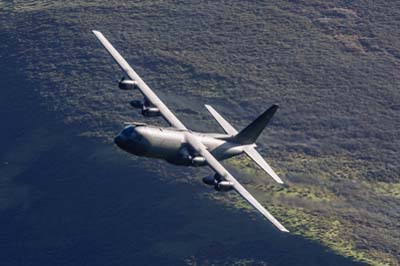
x=144, y=89
x=218, y=168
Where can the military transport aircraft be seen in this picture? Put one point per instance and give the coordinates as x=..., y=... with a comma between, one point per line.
x=181, y=146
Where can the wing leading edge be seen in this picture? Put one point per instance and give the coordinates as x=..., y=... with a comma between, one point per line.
x=218, y=168
x=144, y=89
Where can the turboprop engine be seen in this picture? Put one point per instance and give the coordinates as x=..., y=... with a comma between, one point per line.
x=136, y=104
x=198, y=161
x=219, y=185
x=148, y=111
x=127, y=84
x=223, y=186
x=210, y=180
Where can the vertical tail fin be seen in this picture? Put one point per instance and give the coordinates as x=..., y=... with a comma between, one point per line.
x=250, y=133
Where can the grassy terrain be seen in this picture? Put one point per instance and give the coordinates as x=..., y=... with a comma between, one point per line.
x=333, y=67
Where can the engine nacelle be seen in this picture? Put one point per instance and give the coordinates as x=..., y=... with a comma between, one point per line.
x=198, y=161
x=127, y=84
x=137, y=104
x=210, y=180
x=150, y=111
x=223, y=186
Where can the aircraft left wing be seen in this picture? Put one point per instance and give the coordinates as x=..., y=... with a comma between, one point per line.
x=144, y=89
x=218, y=168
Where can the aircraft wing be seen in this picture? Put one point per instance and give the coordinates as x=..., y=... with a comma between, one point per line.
x=218, y=168
x=144, y=89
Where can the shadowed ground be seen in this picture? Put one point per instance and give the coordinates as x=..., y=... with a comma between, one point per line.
x=69, y=200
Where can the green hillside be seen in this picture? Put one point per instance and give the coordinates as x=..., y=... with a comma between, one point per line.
x=333, y=67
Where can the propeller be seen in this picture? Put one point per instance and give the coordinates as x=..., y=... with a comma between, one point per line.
x=122, y=79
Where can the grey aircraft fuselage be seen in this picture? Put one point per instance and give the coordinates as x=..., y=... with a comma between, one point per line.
x=169, y=144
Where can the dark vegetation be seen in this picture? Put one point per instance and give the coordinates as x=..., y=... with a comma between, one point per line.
x=333, y=67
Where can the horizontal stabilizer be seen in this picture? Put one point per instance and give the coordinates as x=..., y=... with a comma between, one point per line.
x=221, y=121
x=256, y=157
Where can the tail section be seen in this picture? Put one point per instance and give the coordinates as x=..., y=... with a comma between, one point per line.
x=250, y=133
x=249, y=136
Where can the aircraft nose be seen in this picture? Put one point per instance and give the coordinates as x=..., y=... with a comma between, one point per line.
x=119, y=140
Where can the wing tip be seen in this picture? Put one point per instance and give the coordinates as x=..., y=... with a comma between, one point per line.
x=281, y=227
x=275, y=177
x=279, y=180
x=285, y=230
